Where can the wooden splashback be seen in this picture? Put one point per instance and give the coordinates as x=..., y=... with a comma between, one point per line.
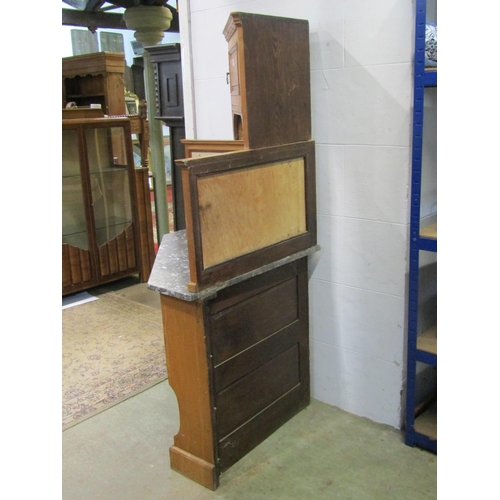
x=247, y=209
x=251, y=208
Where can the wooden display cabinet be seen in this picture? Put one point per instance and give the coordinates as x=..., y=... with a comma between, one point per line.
x=101, y=236
x=95, y=78
x=269, y=76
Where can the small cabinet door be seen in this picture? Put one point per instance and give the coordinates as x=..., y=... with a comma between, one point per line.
x=111, y=199
x=78, y=270
x=98, y=211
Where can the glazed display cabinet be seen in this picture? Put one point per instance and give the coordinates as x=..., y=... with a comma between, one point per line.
x=100, y=240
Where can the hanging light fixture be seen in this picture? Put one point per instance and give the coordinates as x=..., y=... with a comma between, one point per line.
x=149, y=22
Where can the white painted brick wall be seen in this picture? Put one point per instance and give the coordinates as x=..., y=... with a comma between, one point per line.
x=361, y=81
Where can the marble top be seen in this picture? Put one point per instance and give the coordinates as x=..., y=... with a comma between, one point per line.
x=170, y=273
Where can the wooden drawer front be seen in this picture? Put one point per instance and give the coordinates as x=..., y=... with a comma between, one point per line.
x=254, y=392
x=254, y=319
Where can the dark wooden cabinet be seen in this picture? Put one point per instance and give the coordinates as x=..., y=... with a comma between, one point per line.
x=167, y=67
x=269, y=76
x=105, y=234
x=239, y=366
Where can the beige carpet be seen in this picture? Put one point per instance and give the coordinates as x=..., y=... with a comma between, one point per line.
x=112, y=349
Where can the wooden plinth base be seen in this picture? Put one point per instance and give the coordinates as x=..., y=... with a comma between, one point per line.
x=194, y=468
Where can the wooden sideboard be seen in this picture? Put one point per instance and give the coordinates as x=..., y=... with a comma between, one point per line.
x=237, y=357
x=234, y=283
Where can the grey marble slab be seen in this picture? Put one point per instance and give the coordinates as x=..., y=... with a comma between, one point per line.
x=170, y=273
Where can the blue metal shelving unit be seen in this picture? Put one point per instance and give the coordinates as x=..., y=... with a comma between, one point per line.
x=416, y=434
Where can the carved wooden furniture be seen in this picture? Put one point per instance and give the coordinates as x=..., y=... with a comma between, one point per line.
x=234, y=299
x=234, y=292
x=95, y=78
x=105, y=205
x=237, y=357
x=269, y=76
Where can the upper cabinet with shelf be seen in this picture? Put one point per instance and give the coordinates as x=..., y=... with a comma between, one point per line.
x=269, y=78
x=95, y=78
x=421, y=400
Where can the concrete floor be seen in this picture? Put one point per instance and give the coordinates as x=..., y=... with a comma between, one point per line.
x=322, y=453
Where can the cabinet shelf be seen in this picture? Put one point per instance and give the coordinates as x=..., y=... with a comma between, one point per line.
x=427, y=347
x=429, y=231
x=428, y=238
x=121, y=170
x=111, y=170
x=84, y=96
x=427, y=341
x=99, y=224
x=430, y=77
x=426, y=423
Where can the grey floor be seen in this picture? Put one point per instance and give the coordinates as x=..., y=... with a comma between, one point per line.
x=322, y=453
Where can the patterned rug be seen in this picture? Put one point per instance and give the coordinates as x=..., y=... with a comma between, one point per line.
x=112, y=349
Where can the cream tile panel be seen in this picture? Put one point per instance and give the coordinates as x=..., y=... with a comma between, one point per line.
x=330, y=179
x=365, y=106
x=376, y=181
x=363, y=254
x=361, y=321
x=363, y=385
x=213, y=110
x=378, y=32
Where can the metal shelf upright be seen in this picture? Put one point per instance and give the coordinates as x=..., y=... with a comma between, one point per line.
x=421, y=423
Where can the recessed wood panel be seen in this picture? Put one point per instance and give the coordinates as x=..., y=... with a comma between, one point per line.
x=248, y=322
x=266, y=384
x=251, y=208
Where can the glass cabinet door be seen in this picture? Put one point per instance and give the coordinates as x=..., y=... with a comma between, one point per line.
x=109, y=182
x=74, y=228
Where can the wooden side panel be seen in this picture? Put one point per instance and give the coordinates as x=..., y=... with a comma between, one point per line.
x=85, y=265
x=66, y=267
x=117, y=256
x=250, y=209
x=112, y=256
x=77, y=271
x=145, y=222
x=121, y=252
x=129, y=235
x=193, y=452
